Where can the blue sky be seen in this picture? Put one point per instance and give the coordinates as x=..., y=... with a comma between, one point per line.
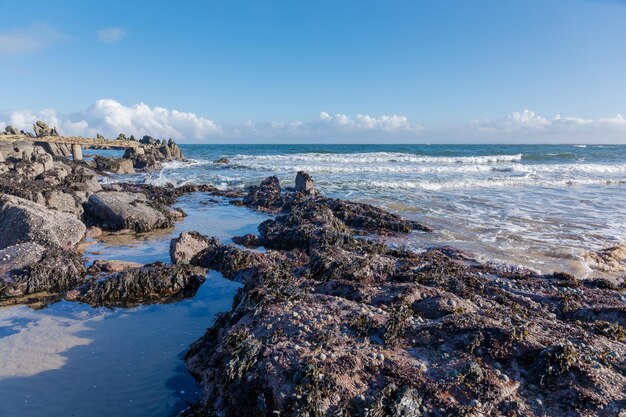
x=415, y=71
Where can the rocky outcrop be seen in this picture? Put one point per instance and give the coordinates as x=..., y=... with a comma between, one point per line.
x=55, y=149
x=222, y=161
x=186, y=246
x=114, y=165
x=49, y=270
x=149, y=284
x=305, y=184
x=24, y=221
x=151, y=154
x=10, y=130
x=333, y=324
x=41, y=129
x=114, y=210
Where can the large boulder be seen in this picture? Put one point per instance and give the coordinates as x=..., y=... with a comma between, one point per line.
x=115, y=165
x=186, y=246
x=305, y=184
x=52, y=271
x=25, y=221
x=116, y=210
x=10, y=130
x=41, y=129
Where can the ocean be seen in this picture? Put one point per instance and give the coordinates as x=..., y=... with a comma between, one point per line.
x=541, y=206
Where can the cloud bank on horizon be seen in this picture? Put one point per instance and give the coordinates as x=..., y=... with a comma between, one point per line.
x=110, y=117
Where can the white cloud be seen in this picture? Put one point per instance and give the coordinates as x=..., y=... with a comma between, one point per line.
x=111, y=35
x=109, y=117
x=384, y=123
x=528, y=126
x=25, y=41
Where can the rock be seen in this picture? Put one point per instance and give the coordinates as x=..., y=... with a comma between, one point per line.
x=10, y=130
x=121, y=210
x=266, y=195
x=101, y=265
x=19, y=256
x=41, y=129
x=24, y=221
x=151, y=283
x=221, y=161
x=149, y=140
x=249, y=240
x=63, y=201
x=304, y=183
x=115, y=165
x=55, y=149
x=186, y=246
x=55, y=271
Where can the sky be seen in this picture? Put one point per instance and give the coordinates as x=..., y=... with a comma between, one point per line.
x=452, y=71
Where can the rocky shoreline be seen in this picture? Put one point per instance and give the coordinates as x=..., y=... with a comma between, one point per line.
x=330, y=320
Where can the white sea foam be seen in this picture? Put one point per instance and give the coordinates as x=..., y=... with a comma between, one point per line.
x=377, y=157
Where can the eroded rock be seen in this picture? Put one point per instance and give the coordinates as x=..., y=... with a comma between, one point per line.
x=114, y=210
x=24, y=221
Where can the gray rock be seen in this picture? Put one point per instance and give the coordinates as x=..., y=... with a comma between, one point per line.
x=115, y=210
x=19, y=256
x=41, y=129
x=115, y=165
x=10, y=130
x=25, y=221
x=305, y=184
x=59, y=200
x=186, y=246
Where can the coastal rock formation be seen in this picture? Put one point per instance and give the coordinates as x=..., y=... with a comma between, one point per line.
x=41, y=129
x=24, y=221
x=149, y=284
x=332, y=324
x=10, y=130
x=114, y=165
x=150, y=155
x=305, y=184
x=186, y=246
x=113, y=210
x=49, y=270
x=221, y=161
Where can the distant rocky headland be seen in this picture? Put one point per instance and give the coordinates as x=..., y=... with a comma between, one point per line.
x=330, y=321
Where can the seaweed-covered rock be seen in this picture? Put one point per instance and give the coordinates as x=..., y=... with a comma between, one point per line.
x=24, y=221
x=55, y=271
x=151, y=283
x=331, y=324
x=112, y=265
x=121, y=210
